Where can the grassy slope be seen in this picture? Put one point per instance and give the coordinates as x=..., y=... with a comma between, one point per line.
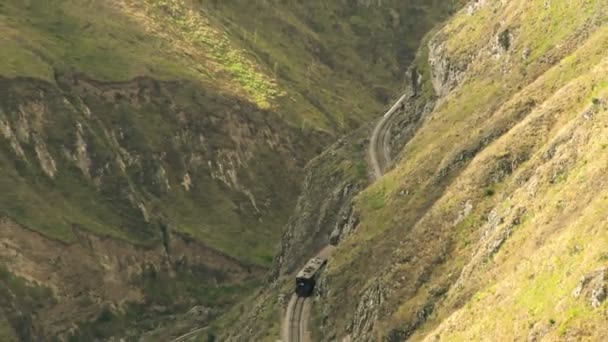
x=530, y=103
x=119, y=40
x=337, y=38
x=330, y=60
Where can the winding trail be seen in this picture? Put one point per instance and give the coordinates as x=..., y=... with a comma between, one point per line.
x=379, y=142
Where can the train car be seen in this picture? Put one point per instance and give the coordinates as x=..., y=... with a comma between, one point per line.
x=305, y=279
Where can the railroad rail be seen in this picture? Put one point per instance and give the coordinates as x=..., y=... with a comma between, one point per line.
x=189, y=335
x=297, y=331
x=379, y=143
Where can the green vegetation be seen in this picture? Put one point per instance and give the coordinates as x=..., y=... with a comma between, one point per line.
x=29, y=296
x=196, y=28
x=56, y=207
x=374, y=44
x=20, y=301
x=66, y=34
x=320, y=72
x=108, y=323
x=169, y=296
x=6, y=332
x=185, y=287
x=72, y=201
x=489, y=192
x=264, y=305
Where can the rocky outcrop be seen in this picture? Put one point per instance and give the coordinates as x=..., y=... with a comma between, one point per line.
x=367, y=313
x=139, y=144
x=446, y=73
x=593, y=287
x=475, y=6
x=410, y=116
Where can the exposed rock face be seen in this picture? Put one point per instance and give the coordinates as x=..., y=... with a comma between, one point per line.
x=344, y=226
x=323, y=214
x=497, y=229
x=104, y=178
x=47, y=163
x=81, y=156
x=410, y=116
x=7, y=132
x=446, y=74
x=593, y=287
x=367, y=313
x=54, y=131
x=475, y=5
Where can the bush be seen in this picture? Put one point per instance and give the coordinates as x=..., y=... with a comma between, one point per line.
x=105, y=316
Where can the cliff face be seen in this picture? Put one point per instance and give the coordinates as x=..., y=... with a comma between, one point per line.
x=102, y=182
x=148, y=149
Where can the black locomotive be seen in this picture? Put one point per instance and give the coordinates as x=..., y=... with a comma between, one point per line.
x=306, y=278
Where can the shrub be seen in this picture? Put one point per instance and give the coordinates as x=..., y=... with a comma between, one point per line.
x=489, y=192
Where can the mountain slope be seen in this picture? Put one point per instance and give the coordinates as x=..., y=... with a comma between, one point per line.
x=155, y=148
x=483, y=214
x=491, y=225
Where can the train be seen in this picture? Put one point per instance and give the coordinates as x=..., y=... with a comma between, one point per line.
x=306, y=278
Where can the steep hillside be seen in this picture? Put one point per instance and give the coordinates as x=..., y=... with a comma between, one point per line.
x=323, y=213
x=151, y=151
x=491, y=224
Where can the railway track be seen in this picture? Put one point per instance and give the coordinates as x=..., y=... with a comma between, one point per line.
x=296, y=324
x=379, y=144
x=295, y=334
